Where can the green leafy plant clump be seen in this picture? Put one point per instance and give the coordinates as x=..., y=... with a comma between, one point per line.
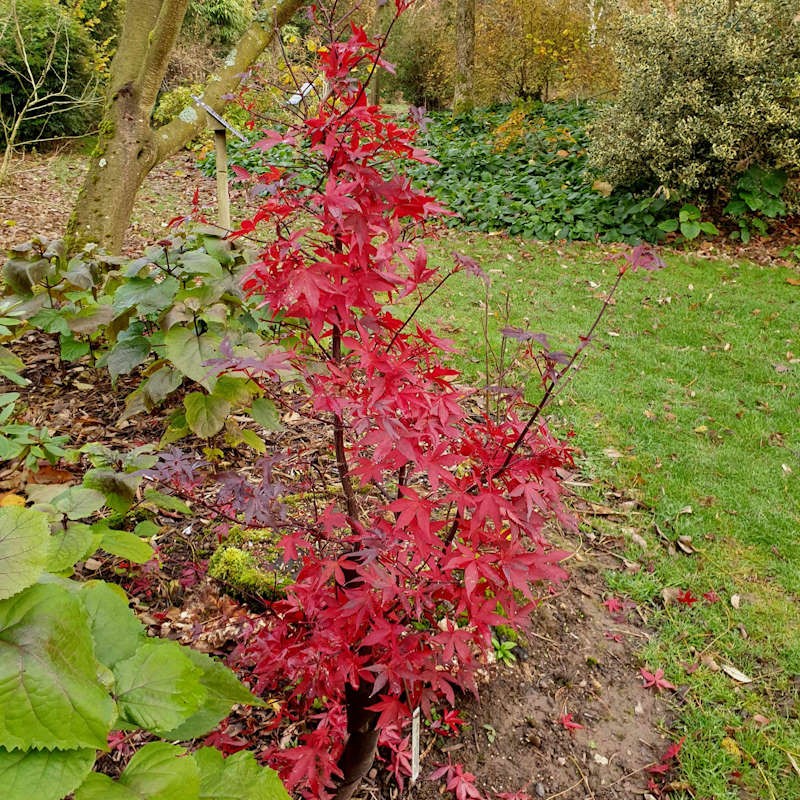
x=705, y=91
x=76, y=664
x=164, y=316
x=525, y=171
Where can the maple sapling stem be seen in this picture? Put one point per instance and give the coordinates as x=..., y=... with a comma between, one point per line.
x=421, y=302
x=555, y=380
x=342, y=467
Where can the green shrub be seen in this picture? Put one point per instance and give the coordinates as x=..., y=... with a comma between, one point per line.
x=705, y=92
x=61, y=52
x=222, y=21
x=422, y=49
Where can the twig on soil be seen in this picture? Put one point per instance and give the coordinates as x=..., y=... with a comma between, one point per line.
x=564, y=791
x=542, y=637
x=583, y=776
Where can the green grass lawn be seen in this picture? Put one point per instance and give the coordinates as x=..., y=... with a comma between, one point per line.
x=688, y=400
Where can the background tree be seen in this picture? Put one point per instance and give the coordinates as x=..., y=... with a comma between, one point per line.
x=422, y=48
x=526, y=49
x=464, y=86
x=129, y=146
x=48, y=76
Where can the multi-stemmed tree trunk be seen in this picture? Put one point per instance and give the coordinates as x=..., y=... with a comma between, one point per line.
x=464, y=86
x=128, y=146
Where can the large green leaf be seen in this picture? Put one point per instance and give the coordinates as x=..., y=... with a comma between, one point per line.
x=167, y=502
x=238, y=777
x=205, y=413
x=159, y=687
x=101, y=787
x=161, y=384
x=265, y=413
x=234, y=389
x=161, y=771
x=190, y=352
x=24, y=542
x=127, y=354
x=70, y=544
x=223, y=690
x=145, y=294
x=199, y=263
x=116, y=631
x=119, y=488
x=49, y=693
x=71, y=349
x=78, y=502
x=90, y=319
x=126, y=545
x=43, y=774
x=22, y=275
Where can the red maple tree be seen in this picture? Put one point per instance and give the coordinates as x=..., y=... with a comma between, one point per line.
x=435, y=533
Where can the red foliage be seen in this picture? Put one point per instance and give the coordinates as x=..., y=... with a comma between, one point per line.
x=655, y=680
x=437, y=532
x=686, y=597
x=437, y=535
x=567, y=721
x=458, y=781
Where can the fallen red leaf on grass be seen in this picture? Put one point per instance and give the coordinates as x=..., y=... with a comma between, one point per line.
x=655, y=679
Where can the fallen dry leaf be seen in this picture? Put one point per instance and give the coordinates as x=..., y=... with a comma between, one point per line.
x=735, y=674
x=731, y=748
x=793, y=762
x=670, y=595
x=639, y=540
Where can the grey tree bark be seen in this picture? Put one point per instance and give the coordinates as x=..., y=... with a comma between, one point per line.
x=128, y=146
x=464, y=83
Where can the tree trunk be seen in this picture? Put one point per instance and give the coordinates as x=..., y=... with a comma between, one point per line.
x=128, y=147
x=380, y=22
x=464, y=85
x=362, y=741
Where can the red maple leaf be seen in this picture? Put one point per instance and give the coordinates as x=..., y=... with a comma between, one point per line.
x=711, y=597
x=686, y=597
x=567, y=721
x=673, y=750
x=614, y=605
x=655, y=679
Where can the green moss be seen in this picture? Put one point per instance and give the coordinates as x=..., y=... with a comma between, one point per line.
x=249, y=563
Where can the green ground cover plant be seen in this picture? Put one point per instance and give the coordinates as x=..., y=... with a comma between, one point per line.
x=689, y=406
x=78, y=672
x=521, y=169
x=525, y=170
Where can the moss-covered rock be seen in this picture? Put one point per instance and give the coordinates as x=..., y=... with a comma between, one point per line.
x=250, y=563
